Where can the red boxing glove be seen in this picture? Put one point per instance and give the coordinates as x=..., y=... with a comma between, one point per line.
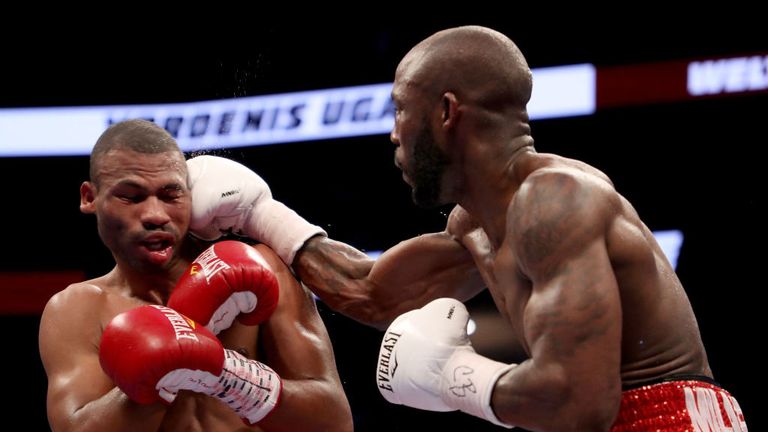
x=140, y=346
x=229, y=279
x=152, y=352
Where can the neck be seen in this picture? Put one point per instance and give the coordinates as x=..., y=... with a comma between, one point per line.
x=492, y=175
x=153, y=287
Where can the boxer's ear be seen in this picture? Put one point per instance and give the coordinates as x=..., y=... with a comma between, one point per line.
x=450, y=112
x=87, y=197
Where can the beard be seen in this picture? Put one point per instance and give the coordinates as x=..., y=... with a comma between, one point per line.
x=429, y=164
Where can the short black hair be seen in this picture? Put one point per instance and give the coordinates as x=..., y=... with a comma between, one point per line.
x=138, y=135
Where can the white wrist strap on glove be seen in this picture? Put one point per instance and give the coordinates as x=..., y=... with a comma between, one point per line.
x=252, y=389
x=280, y=228
x=468, y=382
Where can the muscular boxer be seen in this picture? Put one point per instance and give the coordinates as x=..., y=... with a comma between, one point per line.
x=610, y=337
x=138, y=190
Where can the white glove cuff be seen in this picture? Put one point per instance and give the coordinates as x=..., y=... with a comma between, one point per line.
x=280, y=228
x=237, y=303
x=468, y=382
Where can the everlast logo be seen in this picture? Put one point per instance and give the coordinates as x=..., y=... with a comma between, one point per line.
x=385, y=373
x=210, y=263
x=181, y=327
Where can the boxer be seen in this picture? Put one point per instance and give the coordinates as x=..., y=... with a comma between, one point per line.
x=593, y=304
x=107, y=344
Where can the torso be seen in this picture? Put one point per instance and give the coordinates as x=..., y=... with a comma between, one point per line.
x=660, y=336
x=190, y=411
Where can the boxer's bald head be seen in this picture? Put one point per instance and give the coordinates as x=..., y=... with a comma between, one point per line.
x=136, y=135
x=457, y=91
x=480, y=65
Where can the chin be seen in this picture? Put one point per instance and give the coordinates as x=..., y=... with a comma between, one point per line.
x=425, y=200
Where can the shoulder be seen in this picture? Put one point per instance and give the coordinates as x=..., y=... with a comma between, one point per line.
x=564, y=194
x=295, y=304
x=71, y=321
x=291, y=291
x=79, y=305
x=560, y=208
x=272, y=259
x=81, y=295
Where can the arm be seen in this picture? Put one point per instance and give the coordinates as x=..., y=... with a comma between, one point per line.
x=405, y=277
x=295, y=343
x=80, y=396
x=573, y=318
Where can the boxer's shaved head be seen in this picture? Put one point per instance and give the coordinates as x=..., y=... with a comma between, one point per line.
x=486, y=68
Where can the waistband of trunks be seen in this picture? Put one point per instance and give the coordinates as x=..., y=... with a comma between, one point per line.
x=680, y=405
x=674, y=378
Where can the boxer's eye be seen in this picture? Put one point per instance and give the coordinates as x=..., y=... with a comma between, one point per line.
x=172, y=192
x=132, y=198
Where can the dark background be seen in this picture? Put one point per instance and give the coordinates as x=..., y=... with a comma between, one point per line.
x=690, y=166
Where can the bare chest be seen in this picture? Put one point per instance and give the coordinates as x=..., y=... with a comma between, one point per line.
x=500, y=271
x=192, y=412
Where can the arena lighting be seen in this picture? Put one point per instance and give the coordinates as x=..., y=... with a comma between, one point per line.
x=561, y=91
x=670, y=241
x=681, y=80
x=730, y=75
x=471, y=327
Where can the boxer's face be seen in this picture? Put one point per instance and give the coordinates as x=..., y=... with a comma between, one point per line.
x=427, y=165
x=142, y=204
x=417, y=154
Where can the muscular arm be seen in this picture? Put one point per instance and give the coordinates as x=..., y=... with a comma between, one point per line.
x=80, y=396
x=405, y=277
x=295, y=344
x=573, y=318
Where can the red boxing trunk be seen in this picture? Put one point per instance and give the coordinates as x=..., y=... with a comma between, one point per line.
x=679, y=406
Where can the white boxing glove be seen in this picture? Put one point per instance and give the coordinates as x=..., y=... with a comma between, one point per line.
x=228, y=197
x=426, y=361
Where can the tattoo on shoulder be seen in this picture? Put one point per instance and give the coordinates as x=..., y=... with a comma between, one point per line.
x=548, y=217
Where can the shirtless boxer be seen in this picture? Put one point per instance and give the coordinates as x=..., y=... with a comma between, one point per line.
x=138, y=190
x=611, y=340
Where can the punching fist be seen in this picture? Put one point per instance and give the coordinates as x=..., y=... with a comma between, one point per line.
x=229, y=197
x=229, y=279
x=152, y=352
x=426, y=361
